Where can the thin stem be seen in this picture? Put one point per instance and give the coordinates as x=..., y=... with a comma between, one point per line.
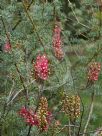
x=7, y=35
x=95, y=55
x=81, y=119
x=18, y=92
x=76, y=16
x=29, y=130
x=53, y=130
x=91, y=132
x=40, y=91
x=69, y=129
x=21, y=79
x=90, y=113
x=34, y=27
x=20, y=20
x=100, y=21
x=65, y=127
x=5, y=103
x=89, y=60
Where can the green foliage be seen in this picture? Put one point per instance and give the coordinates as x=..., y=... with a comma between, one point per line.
x=81, y=24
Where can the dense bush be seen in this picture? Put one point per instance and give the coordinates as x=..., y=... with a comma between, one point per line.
x=50, y=63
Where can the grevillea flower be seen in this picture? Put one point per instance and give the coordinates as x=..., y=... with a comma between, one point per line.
x=7, y=47
x=29, y=116
x=57, y=44
x=71, y=106
x=49, y=117
x=44, y=115
x=93, y=71
x=41, y=67
x=41, y=119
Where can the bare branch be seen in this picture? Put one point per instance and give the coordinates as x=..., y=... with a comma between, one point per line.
x=76, y=16
x=90, y=113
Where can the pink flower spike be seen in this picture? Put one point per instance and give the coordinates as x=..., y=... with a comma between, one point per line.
x=29, y=116
x=93, y=71
x=7, y=47
x=57, y=44
x=41, y=67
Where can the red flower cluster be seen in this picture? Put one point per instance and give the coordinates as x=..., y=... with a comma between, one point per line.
x=7, y=47
x=57, y=46
x=93, y=71
x=29, y=116
x=41, y=119
x=49, y=117
x=41, y=67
